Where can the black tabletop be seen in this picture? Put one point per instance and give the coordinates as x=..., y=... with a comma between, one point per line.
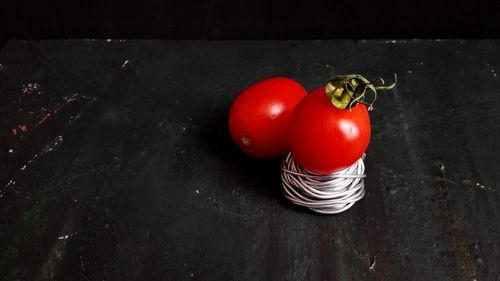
x=116, y=164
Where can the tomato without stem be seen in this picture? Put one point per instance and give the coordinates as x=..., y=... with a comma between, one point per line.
x=324, y=138
x=259, y=118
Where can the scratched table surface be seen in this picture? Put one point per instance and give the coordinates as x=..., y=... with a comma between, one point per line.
x=116, y=164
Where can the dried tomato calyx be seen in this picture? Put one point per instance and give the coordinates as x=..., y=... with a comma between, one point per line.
x=345, y=91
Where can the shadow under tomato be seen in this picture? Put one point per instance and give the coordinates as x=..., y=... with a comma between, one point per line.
x=264, y=173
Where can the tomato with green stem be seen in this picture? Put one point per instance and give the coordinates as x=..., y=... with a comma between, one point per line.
x=331, y=125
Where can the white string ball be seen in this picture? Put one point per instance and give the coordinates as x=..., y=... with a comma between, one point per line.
x=324, y=194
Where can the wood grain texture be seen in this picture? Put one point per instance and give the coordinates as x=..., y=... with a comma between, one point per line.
x=133, y=175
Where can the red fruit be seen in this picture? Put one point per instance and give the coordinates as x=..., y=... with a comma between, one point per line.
x=259, y=118
x=324, y=138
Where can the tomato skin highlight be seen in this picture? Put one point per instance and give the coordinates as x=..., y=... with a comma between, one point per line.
x=259, y=118
x=325, y=139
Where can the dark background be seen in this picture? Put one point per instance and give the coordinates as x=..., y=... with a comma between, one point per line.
x=135, y=176
x=217, y=19
x=117, y=164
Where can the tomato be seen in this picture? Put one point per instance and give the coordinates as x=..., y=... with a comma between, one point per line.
x=324, y=138
x=259, y=118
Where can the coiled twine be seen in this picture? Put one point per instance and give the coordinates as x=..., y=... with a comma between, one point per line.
x=330, y=194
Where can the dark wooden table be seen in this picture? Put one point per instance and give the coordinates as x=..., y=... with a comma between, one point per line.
x=116, y=164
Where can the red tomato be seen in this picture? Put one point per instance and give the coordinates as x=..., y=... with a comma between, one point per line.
x=259, y=117
x=325, y=139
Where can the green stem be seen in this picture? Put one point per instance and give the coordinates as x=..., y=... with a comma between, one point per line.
x=345, y=91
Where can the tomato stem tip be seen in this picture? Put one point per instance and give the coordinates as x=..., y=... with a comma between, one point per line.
x=345, y=91
x=246, y=140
